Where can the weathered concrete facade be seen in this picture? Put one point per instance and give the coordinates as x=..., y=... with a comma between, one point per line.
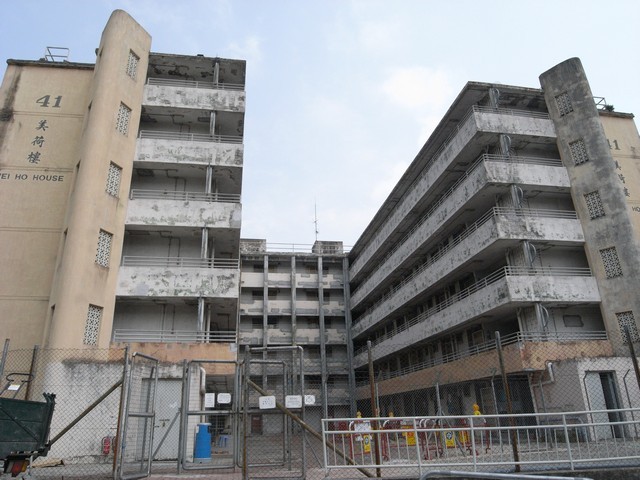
x=489, y=231
x=300, y=299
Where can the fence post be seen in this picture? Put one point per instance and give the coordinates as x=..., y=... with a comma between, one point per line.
x=507, y=393
x=5, y=352
x=33, y=370
x=632, y=352
x=374, y=410
x=120, y=433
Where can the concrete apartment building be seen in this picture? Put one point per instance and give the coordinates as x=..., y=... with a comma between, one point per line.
x=520, y=216
x=301, y=298
x=121, y=191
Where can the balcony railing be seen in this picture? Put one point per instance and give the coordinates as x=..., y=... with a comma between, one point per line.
x=185, y=336
x=167, y=82
x=184, y=196
x=461, y=125
x=452, y=190
x=503, y=272
x=187, y=262
x=513, y=338
x=466, y=233
x=189, y=137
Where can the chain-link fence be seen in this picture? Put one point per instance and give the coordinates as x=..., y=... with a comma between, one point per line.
x=87, y=388
x=510, y=404
x=519, y=403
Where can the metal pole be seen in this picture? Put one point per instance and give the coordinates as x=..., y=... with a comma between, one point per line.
x=245, y=416
x=3, y=360
x=184, y=406
x=122, y=417
x=632, y=351
x=32, y=371
x=374, y=410
x=514, y=433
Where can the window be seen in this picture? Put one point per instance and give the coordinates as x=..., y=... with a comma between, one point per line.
x=594, y=204
x=113, y=180
x=132, y=64
x=124, y=116
x=611, y=262
x=626, y=319
x=578, y=152
x=104, y=248
x=564, y=104
x=92, y=327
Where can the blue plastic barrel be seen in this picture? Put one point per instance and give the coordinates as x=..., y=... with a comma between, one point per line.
x=202, y=447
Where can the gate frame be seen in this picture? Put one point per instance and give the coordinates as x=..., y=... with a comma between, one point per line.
x=245, y=389
x=185, y=413
x=126, y=413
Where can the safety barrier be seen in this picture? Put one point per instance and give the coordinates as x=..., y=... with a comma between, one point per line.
x=553, y=441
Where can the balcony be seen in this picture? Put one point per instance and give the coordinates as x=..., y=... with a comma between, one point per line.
x=276, y=336
x=279, y=280
x=252, y=280
x=141, y=276
x=184, y=209
x=307, y=336
x=487, y=173
x=250, y=337
x=507, y=287
x=183, y=336
x=253, y=307
x=504, y=225
x=336, y=336
x=477, y=121
x=333, y=308
x=522, y=351
x=192, y=94
x=158, y=147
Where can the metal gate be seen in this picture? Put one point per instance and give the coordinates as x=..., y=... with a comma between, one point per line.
x=135, y=436
x=208, y=418
x=273, y=399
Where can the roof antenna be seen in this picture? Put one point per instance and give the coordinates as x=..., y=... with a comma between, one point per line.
x=315, y=220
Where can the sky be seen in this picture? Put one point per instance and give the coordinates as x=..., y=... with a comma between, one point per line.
x=341, y=94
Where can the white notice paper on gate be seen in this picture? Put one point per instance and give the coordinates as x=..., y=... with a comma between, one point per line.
x=209, y=400
x=309, y=399
x=265, y=403
x=293, y=401
x=224, y=398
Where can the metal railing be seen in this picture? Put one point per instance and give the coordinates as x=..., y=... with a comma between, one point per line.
x=494, y=277
x=469, y=117
x=168, y=82
x=472, y=350
x=430, y=211
x=160, y=336
x=183, y=196
x=466, y=233
x=186, y=262
x=189, y=137
x=543, y=442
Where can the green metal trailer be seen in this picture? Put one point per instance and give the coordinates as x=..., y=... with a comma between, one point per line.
x=24, y=431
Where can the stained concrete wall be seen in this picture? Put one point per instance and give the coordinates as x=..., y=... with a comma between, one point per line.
x=513, y=289
x=184, y=213
x=484, y=175
x=178, y=282
x=500, y=227
x=185, y=152
x=616, y=228
x=475, y=125
x=200, y=98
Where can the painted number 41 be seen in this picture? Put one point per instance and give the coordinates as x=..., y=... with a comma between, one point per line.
x=44, y=101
